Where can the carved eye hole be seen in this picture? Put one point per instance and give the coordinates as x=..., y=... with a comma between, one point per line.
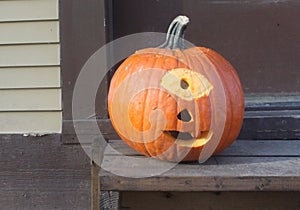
x=184, y=84
x=184, y=116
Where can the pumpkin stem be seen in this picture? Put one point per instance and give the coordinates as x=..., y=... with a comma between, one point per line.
x=175, y=33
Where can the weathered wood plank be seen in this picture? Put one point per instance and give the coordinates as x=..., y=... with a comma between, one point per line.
x=226, y=174
x=210, y=200
x=45, y=199
x=109, y=200
x=40, y=122
x=244, y=148
x=30, y=77
x=42, y=152
x=29, y=55
x=41, y=173
x=28, y=10
x=203, y=184
x=86, y=131
x=282, y=124
x=29, y=32
x=278, y=101
x=46, y=179
x=32, y=99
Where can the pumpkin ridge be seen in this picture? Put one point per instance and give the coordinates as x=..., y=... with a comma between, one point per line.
x=139, y=144
x=232, y=98
x=146, y=95
x=158, y=143
x=229, y=113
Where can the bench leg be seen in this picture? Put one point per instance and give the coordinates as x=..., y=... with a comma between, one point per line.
x=109, y=200
x=98, y=148
x=106, y=200
x=95, y=187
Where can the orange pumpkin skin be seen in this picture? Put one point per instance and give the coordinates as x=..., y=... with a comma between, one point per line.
x=145, y=101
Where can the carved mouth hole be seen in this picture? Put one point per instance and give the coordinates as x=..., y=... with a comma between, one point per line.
x=184, y=135
x=180, y=135
x=184, y=116
x=184, y=84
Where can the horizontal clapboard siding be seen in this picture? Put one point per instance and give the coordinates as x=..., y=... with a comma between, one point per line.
x=30, y=122
x=29, y=55
x=32, y=32
x=30, y=82
x=37, y=99
x=30, y=77
x=21, y=10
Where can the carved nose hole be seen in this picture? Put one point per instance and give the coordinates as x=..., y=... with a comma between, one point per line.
x=184, y=116
x=184, y=84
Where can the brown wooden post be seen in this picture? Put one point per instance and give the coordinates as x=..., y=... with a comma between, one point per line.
x=97, y=156
x=95, y=191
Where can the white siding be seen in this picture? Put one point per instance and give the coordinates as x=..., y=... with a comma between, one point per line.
x=20, y=10
x=30, y=122
x=30, y=87
x=32, y=32
x=29, y=55
x=30, y=77
x=30, y=99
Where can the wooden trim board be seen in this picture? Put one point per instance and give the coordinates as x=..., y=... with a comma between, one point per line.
x=282, y=124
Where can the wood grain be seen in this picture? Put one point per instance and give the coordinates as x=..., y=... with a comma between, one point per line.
x=41, y=173
x=240, y=148
x=43, y=152
x=43, y=198
x=282, y=124
x=227, y=172
x=240, y=174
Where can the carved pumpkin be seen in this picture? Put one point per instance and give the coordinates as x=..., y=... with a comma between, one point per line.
x=170, y=102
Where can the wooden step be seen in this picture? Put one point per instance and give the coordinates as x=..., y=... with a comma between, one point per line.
x=261, y=165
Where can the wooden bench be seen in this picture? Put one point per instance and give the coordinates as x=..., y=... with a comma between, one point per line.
x=265, y=158
x=247, y=165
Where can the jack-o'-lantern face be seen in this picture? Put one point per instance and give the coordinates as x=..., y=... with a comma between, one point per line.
x=191, y=90
x=171, y=103
x=182, y=96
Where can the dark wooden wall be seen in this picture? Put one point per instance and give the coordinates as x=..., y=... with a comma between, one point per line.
x=260, y=37
x=82, y=34
x=210, y=200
